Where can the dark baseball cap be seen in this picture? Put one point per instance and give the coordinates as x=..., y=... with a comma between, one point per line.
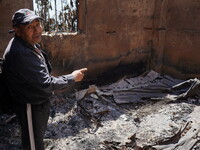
x=23, y=16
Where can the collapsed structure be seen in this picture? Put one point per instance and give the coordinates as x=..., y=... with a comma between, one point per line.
x=151, y=111
x=118, y=39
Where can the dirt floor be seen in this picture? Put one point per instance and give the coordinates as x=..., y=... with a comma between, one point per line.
x=95, y=119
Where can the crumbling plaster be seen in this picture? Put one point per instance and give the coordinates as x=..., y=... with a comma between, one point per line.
x=150, y=34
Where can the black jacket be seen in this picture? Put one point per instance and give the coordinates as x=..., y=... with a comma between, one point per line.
x=28, y=73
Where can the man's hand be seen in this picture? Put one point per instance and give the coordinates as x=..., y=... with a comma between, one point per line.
x=79, y=74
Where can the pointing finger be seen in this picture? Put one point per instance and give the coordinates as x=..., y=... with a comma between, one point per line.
x=83, y=69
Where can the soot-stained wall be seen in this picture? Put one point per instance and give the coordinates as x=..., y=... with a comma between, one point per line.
x=7, y=8
x=119, y=37
x=112, y=42
x=176, y=41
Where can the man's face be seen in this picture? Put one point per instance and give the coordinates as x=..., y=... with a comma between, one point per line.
x=30, y=33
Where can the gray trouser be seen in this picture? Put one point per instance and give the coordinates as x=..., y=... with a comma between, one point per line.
x=40, y=115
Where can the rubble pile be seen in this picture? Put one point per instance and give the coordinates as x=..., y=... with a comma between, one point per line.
x=149, y=112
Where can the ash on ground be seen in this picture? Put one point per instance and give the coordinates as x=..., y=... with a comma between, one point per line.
x=149, y=112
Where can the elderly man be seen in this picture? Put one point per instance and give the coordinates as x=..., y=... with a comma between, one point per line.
x=27, y=71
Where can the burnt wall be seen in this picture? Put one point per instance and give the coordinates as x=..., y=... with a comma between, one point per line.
x=177, y=38
x=118, y=37
x=113, y=41
x=7, y=8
